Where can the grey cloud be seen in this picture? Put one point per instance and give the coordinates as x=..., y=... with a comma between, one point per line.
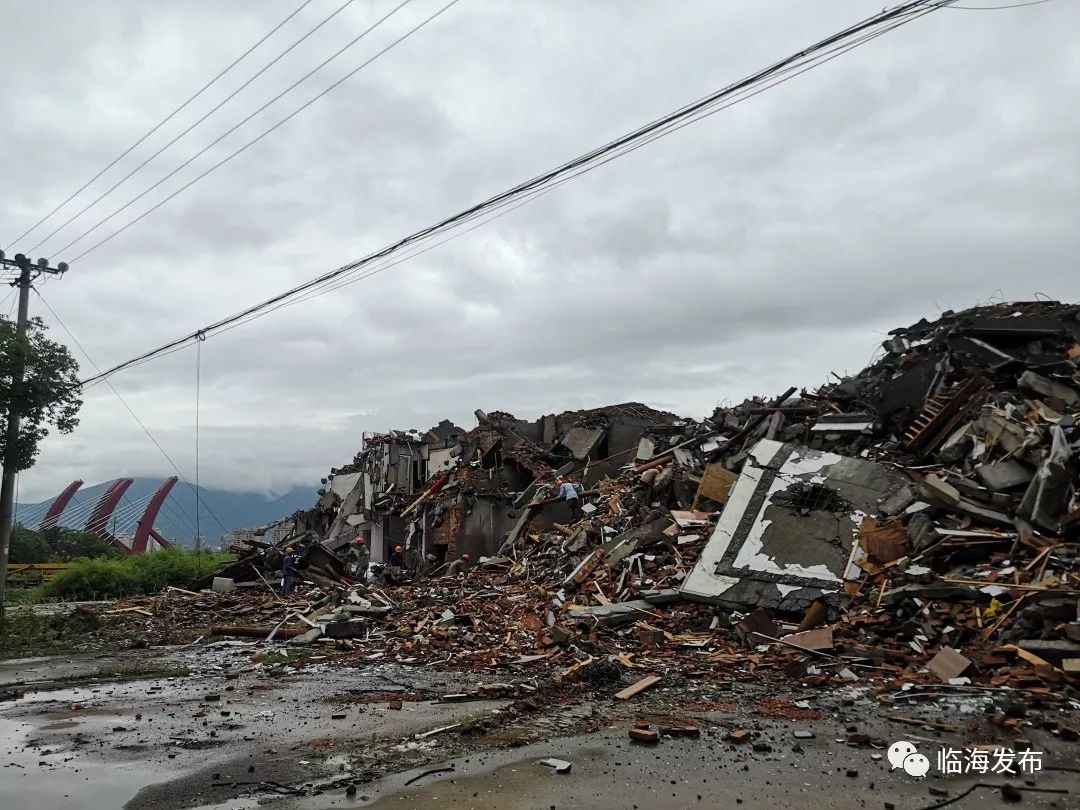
x=759, y=248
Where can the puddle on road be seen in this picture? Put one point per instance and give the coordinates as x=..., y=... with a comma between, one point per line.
x=26, y=784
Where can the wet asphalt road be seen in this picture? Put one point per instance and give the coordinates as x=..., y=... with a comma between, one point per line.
x=162, y=743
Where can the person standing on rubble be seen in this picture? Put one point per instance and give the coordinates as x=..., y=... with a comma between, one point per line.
x=571, y=493
x=360, y=557
x=288, y=568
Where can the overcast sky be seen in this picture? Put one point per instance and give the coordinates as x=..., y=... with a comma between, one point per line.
x=935, y=168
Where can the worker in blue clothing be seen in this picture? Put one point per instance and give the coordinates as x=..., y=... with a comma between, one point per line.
x=571, y=493
x=288, y=568
x=395, y=571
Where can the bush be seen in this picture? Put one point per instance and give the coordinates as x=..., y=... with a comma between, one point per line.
x=129, y=576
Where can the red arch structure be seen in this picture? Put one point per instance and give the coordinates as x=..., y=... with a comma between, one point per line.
x=98, y=521
x=146, y=522
x=59, y=505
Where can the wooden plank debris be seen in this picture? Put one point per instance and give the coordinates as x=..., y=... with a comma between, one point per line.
x=716, y=483
x=948, y=664
x=819, y=639
x=648, y=682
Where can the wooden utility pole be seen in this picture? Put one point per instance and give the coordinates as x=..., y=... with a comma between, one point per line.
x=28, y=271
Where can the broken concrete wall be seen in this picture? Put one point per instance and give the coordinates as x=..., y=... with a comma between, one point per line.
x=342, y=484
x=787, y=533
x=516, y=476
x=352, y=505
x=372, y=532
x=624, y=435
x=441, y=460
x=483, y=527
x=444, y=528
x=405, y=464
x=445, y=434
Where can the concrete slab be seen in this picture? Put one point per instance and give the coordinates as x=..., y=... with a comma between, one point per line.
x=785, y=537
x=1030, y=381
x=581, y=441
x=1003, y=475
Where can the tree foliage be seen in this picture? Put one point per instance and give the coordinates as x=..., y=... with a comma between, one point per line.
x=27, y=546
x=70, y=544
x=56, y=544
x=49, y=395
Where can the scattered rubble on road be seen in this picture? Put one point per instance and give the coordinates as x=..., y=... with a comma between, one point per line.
x=903, y=540
x=917, y=521
x=912, y=530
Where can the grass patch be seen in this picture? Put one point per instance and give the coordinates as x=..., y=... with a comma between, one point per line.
x=24, y=634
x=139, y=671
x=286, y=656
x=476, y=723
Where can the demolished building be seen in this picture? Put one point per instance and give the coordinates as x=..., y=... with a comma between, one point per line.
x=925, y=507
x=449, y=491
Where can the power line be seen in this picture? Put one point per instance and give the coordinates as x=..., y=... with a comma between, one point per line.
x=763, y=79
x=213, y=110
x=244, y=121
x=161, y=123
x=527, y=198
x=532, y=196
x=127, y=407
x=998, y=8
x=536, y=194
x=182, y=522
x=8, y=297
x=123, y=513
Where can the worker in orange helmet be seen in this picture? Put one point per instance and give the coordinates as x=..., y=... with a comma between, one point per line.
x=395, y=573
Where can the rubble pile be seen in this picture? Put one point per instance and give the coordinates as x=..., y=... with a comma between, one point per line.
x=918, y=522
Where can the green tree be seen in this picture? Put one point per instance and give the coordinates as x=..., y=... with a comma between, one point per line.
x=28, y=546
x=66, y=544
x=49, y=395
x=56, y=544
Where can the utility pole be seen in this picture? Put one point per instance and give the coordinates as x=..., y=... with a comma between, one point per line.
x=28, y=271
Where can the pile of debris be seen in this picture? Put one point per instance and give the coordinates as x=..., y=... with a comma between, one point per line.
x=931, y=499
x=918, y=522
x=258, y=565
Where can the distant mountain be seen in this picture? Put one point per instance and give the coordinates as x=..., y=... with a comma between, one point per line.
x=176, y=521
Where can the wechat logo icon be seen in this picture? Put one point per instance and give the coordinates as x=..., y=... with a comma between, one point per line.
x=904, y=754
